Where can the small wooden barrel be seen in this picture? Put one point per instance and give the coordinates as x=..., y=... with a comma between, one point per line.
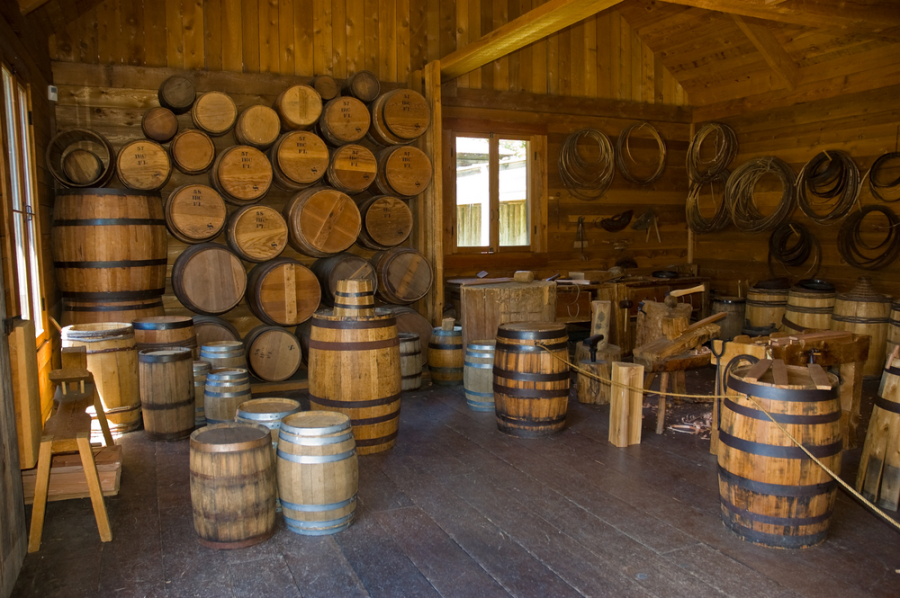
x=343, y=266
x=112, y=358
x=354, y=299
x=445, y=356
x=195, y=213
x=893, y=334
x=283, y=292
x=209, y=279
x=83, y=170
x=367, y=387
x=210, y=329
x=344, y=120
x=167, y=392
x=326, y=87
x=159, y=124
x=478, y=377
x=403, y=171
x=318, y=472
x=398, y=117
x=165, y=332
x=257, y=126
x=411, y=321
x=268, y=412
x=143, y=165
x=82, y=167
x=298, y=107
x=765, y=308
x=273, y=353
x=411, y=361
x=363, y=86
x=733, y=308
x=878, y=478
x=225, y=389
x=352, y=169
x=299, y=160
x=322, y=221
x=404, y=275
x=257, y=233
x=192, y=152
x=531, y=382
x=864, y=311
x=232, y=485
x=224, y=354
x=807, y=309
x=242, y=174
x=771, y=493
x=200, y=369
x=177, y=94
x=386, y=222
x=214, y=113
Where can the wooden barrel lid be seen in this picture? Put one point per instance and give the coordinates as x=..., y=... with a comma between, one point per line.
x=322, y=221
x=273, y=354
x=300, y=158
x=406, y=113
x=211, y=329
x=159, y=124
x=82, y=166
x=275, y=406
x=343, y=266
x=387, y=222
x=352, y=169
x=316, y=423
x=298, y=107
x=230, y=437
x=403, y=170
x=257, y=233
x=283, y=292
x=326, y=87
x=344, y=120
x=68, y=141
x=209, y=279
x=363, y=86
x=162, y=322
x=214, y=112
x=192, y=151
x=242, y=174
x=143, y=165
x=404, y=275
x=257, y=126
x=195, y=213
x=177, y=94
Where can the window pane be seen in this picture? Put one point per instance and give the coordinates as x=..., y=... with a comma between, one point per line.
x=15, y=183
x=31, y=205
x=514, y=180
x=472, y=192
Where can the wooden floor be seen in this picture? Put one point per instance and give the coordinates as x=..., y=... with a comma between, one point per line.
x=459, y=509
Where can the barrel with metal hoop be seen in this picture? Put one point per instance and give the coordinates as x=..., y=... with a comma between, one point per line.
x=478, y=375
x=224, y=354
x=445, y=356
x=354, y=298
x=225, y=389
x=808, y=306
x=862, y=310
x=893, y=333
x=411, y=361
x=268, y=412
x=879, y=467
x=201, y=369
x=167, y=392
x=165, y=332
x=764, y=310
x=733, y=308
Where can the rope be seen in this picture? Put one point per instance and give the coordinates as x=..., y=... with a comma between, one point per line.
x=785, y=254
x=741, y=203
x=876, y=183
x=832, y=178
x=623, y=149
x=850, y=240
x=586, y=180
x=726, y=150
x=695, y=220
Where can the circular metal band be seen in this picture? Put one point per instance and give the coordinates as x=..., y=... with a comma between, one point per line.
x=306, y=508
x=478, y=366
x=313, y=460
x=797, y=395
x=312, y=441
x=138, y=325
x=780, y=452
x=527, y=335
x=172, y=355
x=781, y=418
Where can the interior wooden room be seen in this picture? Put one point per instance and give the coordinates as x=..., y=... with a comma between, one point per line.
x=457, y=298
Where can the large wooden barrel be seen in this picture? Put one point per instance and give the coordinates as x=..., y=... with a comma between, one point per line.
x=344, y=120
x=367, y=387
x=143, y=165
x=893, y=334
x=232, y=485
x=343, y=266
x=167, y=392
x=88, y=312
x=411, y=361
x=326, y=87
x=352, y=169
x=299, y=160
x=862, y=310
x=225, y=389
x=445, y=356
x=765, y=308
x=386, y=222
x=273, y=353
x=771, y=493
x=177, y=93
x=209, y=279
x=192, y=152
x=298, y=107
x=257, y=233
x=362, y=85
x=733, y=308
x=878, y=478
x=165, y=332
x=318, y=472
x=242, y=174
x=409, y=320
x=195, y=213
x=82, y=170
x=478, y=375
x=214, y=113
x=268, y=412
x=322, y=221
x=257, y=126
x=403, y=170
x=82, y=167
x=354, y=299
x=283, y=292
x=112, y=358
x=159, y=124
x=224, y=354
x=531, y=382
x=807, y=308
x=200, y=370
x=404, y=275
x=399, y=117
x=210, y=329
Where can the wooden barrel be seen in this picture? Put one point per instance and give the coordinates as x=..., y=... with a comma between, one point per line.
x=531, y=383
x=299, y=160
x=404, y=275
x=733, y=308
x=273, y=353
x=318, y=472
x=165, y=332
x=224, y=354
x=411, y=361
x=367, y=387
x=362, y=85
x=386, y=222
x=210, y=329
x=878, y=478
x=343, y=266
x=771, y=493
x=322, y=221
x=232, y=485
x=82, y=167
x=283, y=292
x=445, y=356
x=167, y=392
x=862, y=310
x=398, y=117
x=354, y=299
x=257, y=126
x=209, y=279
x=403, y=170
x=214, y=113
x=177, y=94
x=326, y=87
x=242, y=174
x=478, y=376
x=192, y=152
x=225, y=389
x=112, y=358
x=268, y=412
x=807, y=309
x=143, y=165
x=352, y=169
x=298, y=107
x=159, y=124
x=765, y=308
x=195, y=213
x=83, y=173
x=200, y=370
x=257, y=233
x=893, y=334
x=88, y=312
x=411, y=321
x=344, y=120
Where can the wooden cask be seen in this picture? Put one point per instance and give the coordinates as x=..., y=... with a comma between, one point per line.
x=531, y=382
x=232, y=485
x=67, y=142
x=167, y=392
x=344, y=120
x=352, y=169
x=273, y=353
x=299, y=160
x=257, y=233
x=403, y=170
x=283, y=292
x=478, y=376
x=214, y=113
x=82, y=167
x=318, y=472
x=298, y=107
x=398, y=117
x=224, y=354
x=765, y=308
x=733, y=308
x=225, y=389
x=445, y=356
x=343, y=266
x=862, y=310
x=322, y=221
x=771, y=493
x=200, y=370
x=165, y=332
x=242, y=174
x=75, y=311
x=878, y=478
x=367, y=387
x=807, y=309
x=404, y=275
x=209, y=279
x=362, y=85
x=268, y=412
x=257, y=126
x=177, y=94
x=411, y=361
x=143, y=165
x=192, y=152
x=354, y=299
x=195, y=213
x=159, y=124
x=210, y=329
x=411, y=321
x=386, y=222
x=893, y=333
x=326, y=87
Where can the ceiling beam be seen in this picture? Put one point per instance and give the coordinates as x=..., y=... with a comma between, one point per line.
x=27, y=6
x=532, y=26
x=775, y=55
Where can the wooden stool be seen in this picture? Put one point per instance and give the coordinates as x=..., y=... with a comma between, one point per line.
x=672, y=367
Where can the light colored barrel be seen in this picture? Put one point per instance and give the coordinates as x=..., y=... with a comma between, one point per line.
x=159, y=124
x=214, y=113
x=478, y=376
x=257, y=233
x=299, y=160
x=257, y=126
x=322, y=221
x=343, y=266
x=386, y=222
x=344, y=120
x=765, y=308
x=165, y=332
x=192, y=152
x=76, y=311
x=210, y=329
x=878, y=478
x=411, y=361
x=352, y=169
x=67, y=142
x=354, y=299
x=362, y=85
x=200, y=371
x=209, y=279
x=143, y=165
x=268, y=412
x=298, y=107
x=177, y=93
x=862, y=310
x=167, y=392
x=733, y=308
x=225, y=389
x=403, y=171
x=404, y=275
x=195, y=213
x=398, y=117
x=82, y=167
x=445, y=356
x=893, y=333
x=273, y=353
x=326, y=87
x=242, y=174
x=224, y=354
x=808, y=309
x=283, y=292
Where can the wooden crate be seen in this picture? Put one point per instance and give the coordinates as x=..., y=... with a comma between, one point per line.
x=485, y=306
x=67, y=478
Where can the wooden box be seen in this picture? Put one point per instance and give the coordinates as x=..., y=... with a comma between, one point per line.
x=485, y=306
x=67, y=478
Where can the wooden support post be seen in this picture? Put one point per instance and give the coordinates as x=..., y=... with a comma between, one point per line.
x=429, y=211
x=627, y=404
x=41, y=485
x=93, y=480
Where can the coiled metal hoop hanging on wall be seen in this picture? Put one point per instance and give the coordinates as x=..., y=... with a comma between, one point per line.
x=623, y=150
x=695, y=220
x=583, y=179
x=794, y=255
x=830, y=181
x=741, y=203
x=726, y=150
x=876, y=183
x=854, y=249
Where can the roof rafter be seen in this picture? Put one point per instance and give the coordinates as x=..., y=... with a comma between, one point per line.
x=775, y=55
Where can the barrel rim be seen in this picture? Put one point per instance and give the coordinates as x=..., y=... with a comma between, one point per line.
x=167, y=355
x=264, y=440
x=123, y=331
x=288, y=424
x=108, y=191
x=153, y=323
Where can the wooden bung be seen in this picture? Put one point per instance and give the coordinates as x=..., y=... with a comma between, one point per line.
x=299, y=160
x=322, y=221
x=209, y=279
x=404, y=275
x=363, y=86
x=404, y=171
x=398, y=117
x=177, y=94
x=298, y=107
x=257, y=233
x=242, y=174
x=386, y=222
x=159, y=124
x=214, y=113
x=283, y=292
x=352, y=169
x=143, y=165
x=257, y=126
x=343, y=266
x=273, y=353
x=82, y=167
x=344, y=120
x=195, y=213
x=192, y=152
x=71, y=141
x=326, y=87
x=167, y=392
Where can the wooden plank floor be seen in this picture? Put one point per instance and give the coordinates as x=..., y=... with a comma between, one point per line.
x=458, y=509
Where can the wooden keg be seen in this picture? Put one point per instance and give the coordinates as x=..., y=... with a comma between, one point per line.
x=298, y=107
x=878, y=478
x=76, y=311
x=200, y=370
x=209, y=279
x=362, y=85
x=82, y=167
x=404, y=275
x=299, y=160
x=177, y=94
x=478, y=376
x=143, y=165
x=112, y=358
x=159, y=124
x=352, y=169
x=344, y=120
x=214, y=113
x=765, y=308
x=225, y=389
x=807, y=309
x=165, y=332
x=192, y=152
x=167, y=392
x=411, y=361
x=771, y=493
x=224, y=354
x=85, y=142
x=445, y=356
x=195, y=213
x=733, y=308
x=386, y=222
x=862, y=310
x=242, y=174
x=232, y=485
x=893, y=333
x=326, y=87
x=366, y=387
x=268, y=412
x=273, y=353
x=411, y=321
x=257, y=233
x=403, y=170
x=398, y=117
x=354, y=299
x=318, y=472
x=343, y=266
x=210, y=329
x=283, y=292
x=322, y=221
x=257, y=126
x=531, y=382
